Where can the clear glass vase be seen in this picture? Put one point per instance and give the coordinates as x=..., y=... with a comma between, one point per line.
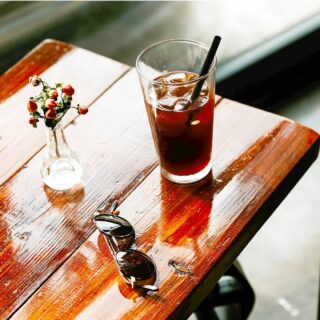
x=61, y=169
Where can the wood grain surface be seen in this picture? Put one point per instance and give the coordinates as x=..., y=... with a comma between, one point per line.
x=52, y=265
x=258, y=157
x=55, y=61
x=41, y=228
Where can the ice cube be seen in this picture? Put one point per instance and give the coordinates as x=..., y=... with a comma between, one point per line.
x=160, y=91
x=181, y=104
x=200, y=101
x=176, y=77
x=204, y=89
x=167, y=102
x=191, y=76
x=183, y=90
x=176, y=96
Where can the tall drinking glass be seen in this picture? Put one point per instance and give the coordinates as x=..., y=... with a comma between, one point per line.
x=182, y=129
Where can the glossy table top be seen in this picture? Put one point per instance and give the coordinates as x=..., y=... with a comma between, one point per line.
x=55, y=265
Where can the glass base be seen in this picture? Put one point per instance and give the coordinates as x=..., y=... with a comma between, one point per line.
x=187, y=179
x=62, y=175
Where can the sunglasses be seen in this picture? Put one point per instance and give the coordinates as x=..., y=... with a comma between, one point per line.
x=137, y=269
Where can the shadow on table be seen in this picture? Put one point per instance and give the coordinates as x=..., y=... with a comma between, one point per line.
x=59, y=199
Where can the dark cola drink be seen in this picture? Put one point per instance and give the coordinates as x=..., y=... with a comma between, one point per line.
x=182, y=130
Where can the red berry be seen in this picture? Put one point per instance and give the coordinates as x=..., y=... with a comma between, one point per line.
x=68, y=90
x=83, y=109
x=53, y=94
x=32, y=120
x=51, y=114
x=32, y=106
x=34, y=80
x=50, y=103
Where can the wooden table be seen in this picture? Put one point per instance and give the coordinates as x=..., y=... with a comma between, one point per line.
x=55, y=265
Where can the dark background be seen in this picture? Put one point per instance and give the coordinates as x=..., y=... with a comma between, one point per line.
x=269, y=51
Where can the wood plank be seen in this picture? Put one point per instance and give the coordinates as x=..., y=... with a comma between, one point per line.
x=37, y=61
x=40, y=228
x=258, y=157
x=88, y=72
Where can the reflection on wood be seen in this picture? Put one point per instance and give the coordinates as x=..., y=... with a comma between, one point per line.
x=201, y=227
x=40, y=228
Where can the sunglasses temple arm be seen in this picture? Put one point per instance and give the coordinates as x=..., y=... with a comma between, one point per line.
x=114, y=249
x=102, y=207
x=114, y=206
x=112, y=246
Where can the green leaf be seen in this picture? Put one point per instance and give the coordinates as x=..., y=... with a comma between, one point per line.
x=37, y=99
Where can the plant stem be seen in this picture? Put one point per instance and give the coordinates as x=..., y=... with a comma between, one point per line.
x=56, y=142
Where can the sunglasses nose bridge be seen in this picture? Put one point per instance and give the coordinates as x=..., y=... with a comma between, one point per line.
x=123, y=242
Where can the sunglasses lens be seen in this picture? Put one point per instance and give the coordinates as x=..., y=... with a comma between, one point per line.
x=113, y=225
x=135, y=264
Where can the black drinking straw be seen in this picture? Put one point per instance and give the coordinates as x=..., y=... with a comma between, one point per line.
x=205, y=68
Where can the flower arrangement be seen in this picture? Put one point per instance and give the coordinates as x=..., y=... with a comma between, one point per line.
x=52, y=103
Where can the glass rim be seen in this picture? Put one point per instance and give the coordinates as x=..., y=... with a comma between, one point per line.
x=155, y=82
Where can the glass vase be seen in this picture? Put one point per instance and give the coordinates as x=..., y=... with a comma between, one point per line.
x=61, y=169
